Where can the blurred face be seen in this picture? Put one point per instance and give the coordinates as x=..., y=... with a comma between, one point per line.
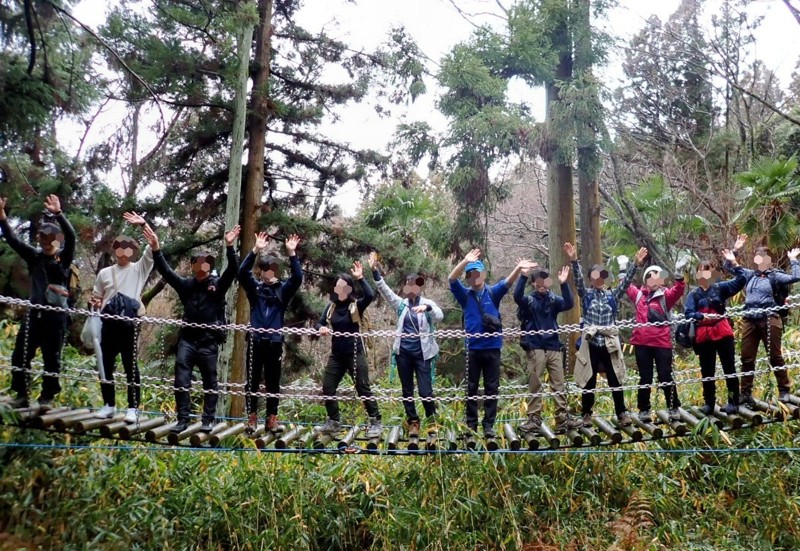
x=707, y=275
x=50, y=239
x=342, y=290
x=542, y=281
x=413, y=287
x=124, y=250
x=202, y=266
x=476, y=278
x=656, y=279
x=598, y=278
x=271, y=273
x=762, y=261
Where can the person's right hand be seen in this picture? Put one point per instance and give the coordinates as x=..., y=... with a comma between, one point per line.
x=151, y=237
x=324, y=331
x=571, y=251
x=641, y=254
x=728, y=255
x=262, y=238
x=473, y=255
x=133, y=218
x=741, y=239
x=373, y=260
x=95, y=302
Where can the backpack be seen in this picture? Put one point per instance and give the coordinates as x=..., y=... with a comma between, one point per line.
x=524, y=315
x=780, y=292
x=74, y=286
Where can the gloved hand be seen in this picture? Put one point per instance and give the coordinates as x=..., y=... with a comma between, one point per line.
x=623, y=262
x=682, y=263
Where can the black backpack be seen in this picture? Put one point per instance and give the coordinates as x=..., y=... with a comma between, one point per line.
x=780, y=292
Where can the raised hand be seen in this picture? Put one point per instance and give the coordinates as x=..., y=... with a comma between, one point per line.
x=793, y=253
x=421, y=309
x=291, y=244
x=741, y=239
x=151, y=237
x=133, y=218
x=231, y=235
x=640, y=257
x=373, y=261
x=262, y=238
x=52, y=204
x=563, y=275
x=358, y=270
x=571, y=251
x=473, y=255
x=728, y=255
x=525, y=266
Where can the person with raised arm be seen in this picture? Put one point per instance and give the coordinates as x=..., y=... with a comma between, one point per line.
x=480, y=304
x=203, y=300
x=269, y=298
x=714, y=335
x=49, y=271
x=416, y=351
x=344, y=315
x=600, y=349
x=118, y=290
x=765, y=287
x=539, y=311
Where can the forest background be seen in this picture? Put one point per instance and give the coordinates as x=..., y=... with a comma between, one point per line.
x=675, y=136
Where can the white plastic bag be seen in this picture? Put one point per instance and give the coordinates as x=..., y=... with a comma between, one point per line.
x=90, y=335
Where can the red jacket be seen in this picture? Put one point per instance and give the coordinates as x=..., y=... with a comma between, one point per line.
x=658, y=336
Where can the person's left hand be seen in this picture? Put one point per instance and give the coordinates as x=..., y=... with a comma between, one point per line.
x=563, y=275
x=421, y=309
x=231, y=235
x=53, y=204
x=358, y=270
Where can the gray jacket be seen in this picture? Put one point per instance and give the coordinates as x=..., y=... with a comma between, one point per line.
x=429, y=346
x=758, y=289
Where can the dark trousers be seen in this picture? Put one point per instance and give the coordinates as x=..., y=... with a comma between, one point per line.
x=407, y=366
x=338, y=365
x=486, y=363
x=43, y=330
x=646, y=357
x=119, y=338
x=265, y=357
x=768, y=331
x=204, y=356
x=600, y=359
x=707, y=353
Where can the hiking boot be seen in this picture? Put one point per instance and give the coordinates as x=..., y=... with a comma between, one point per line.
x=646, y=417
x=674, y=414
x=730, y=409
x=783, y=396
x=413, y=428
x=376, y=428
x=207, y=426
x=330, y=427
x=707, y=409
x=624, y=419
x=533, y=424
x=45, y=402
x=569, y=423
x=179, y=427
x=252, y=422
x=746, y=399
x=132, y=415
x=106, y=412
x=272, y=424
x=19, y=402
x=488, y=432
x=587, y=419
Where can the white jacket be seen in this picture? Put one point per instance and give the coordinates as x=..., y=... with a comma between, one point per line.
x=429, y=346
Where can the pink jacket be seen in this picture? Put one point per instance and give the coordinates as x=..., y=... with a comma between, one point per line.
x=657, y=336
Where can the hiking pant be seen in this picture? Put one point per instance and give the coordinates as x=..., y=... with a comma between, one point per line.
x=340, y=364
x=43, y=330
x=202, y=354
x=119, y=338
x=407, y=366
x=646, y=356
x=768, y=330
x=707, y=353
x=600, y=358
x=538, y=362
x=486, y=363
x=265, y=361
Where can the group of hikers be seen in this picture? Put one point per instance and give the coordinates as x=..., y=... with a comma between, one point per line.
x=118, y=288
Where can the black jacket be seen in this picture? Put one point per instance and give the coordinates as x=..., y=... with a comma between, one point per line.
x=341, y=320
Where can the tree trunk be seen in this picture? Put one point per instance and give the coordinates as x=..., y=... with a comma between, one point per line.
x=254, y=185
x=233, y=205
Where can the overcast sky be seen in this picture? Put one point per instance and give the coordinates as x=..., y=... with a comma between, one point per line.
x=436, y=26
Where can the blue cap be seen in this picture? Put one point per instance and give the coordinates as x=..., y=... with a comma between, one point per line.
x=477, y=265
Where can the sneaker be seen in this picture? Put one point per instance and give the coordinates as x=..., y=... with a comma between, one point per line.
x=587, y=419
x=207, y=426
x=783, y=396
x=730, y=409
x=375, y=428
x=746, y=400
x=707, y=409
x=569, y=423
x=674, y=414
x=106, y=412
x=179, y=427
x=624, y=419
x=646, y=417
x=132, y=416
x=488, y=432
x=330, y=427
x=19, y=402
x=272, y=424
x=413, y=428
x=533, y=424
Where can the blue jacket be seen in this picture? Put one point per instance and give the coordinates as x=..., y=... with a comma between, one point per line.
x=716, y=297
x=490, y=297
x=268, y=302
x=540, y=312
